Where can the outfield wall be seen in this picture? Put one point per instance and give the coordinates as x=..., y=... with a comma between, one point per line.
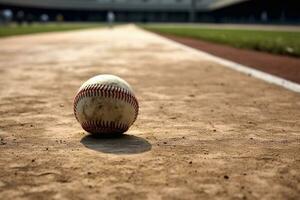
x=216, y=11
x=124, y=5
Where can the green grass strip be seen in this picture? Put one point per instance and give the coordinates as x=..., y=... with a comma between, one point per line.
x=277, y=42
x=12, y=30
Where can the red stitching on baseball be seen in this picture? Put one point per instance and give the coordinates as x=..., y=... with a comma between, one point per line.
x=107, y=92
x=104, y=127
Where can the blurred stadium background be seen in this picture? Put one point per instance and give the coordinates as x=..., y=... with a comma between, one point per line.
x=215, y=11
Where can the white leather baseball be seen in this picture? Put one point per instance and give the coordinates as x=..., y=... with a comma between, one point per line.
x=105, y=104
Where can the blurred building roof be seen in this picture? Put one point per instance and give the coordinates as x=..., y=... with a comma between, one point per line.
x=179, y=5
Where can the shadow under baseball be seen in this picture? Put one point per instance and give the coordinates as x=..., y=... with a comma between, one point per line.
x=123, y=144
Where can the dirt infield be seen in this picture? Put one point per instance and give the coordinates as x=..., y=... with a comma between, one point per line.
x=204, y=131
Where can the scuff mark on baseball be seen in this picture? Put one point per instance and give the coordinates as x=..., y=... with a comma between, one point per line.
x=105, y=104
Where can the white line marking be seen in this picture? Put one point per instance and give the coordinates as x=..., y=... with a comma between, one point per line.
x=238, y=67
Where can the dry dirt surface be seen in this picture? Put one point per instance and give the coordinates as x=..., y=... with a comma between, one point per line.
x=203, y=131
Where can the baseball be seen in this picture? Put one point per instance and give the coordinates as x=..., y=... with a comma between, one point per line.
x=105, y=104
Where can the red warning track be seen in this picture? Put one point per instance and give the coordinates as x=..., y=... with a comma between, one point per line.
x=283, y=66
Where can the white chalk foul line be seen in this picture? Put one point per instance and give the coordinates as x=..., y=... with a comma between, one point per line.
x=238, y=67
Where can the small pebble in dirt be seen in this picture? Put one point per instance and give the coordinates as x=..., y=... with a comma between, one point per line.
x=33, y=160
x=214, y=130
x=245, y=174
x=47, y=149
x=251, y=138
x=2, y=141
x=89, y=173
x=165, y=143
x=183, y=137
x=191, y=95
x=191, y=162
x=31, y=125
x=226, y=177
